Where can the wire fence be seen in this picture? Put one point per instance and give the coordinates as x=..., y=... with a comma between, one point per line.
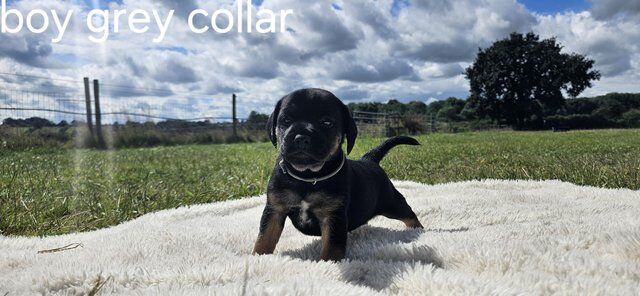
x=56, y=107
x=70, y=106
x=111, y=115
x=391, y=124
x=115, y=116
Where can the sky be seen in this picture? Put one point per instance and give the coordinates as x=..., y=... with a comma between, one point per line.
x=555, y=6
x=362, y=50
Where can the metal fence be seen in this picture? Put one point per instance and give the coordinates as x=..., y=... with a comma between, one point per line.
x=106, y=113
x=390, y=124
x=72, y=105
x=111, y=115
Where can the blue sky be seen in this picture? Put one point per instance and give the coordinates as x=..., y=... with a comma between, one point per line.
x=556, y=6
x=539, y=6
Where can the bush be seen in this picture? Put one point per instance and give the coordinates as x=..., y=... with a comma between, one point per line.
x=578, y=121
x=19, y=138
x=632, y=118
x=414, y=124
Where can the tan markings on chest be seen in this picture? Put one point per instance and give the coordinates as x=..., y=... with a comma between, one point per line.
x=316, y=204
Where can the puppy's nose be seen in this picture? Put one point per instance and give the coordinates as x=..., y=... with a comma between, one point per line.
x=302, y=142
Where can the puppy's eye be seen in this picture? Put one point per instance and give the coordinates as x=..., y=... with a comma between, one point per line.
x=286, y=120
x=327, y=123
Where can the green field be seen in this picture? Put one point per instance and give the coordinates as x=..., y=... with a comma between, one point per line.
x=45, y=192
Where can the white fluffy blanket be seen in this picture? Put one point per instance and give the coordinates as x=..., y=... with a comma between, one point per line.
x=489, y=237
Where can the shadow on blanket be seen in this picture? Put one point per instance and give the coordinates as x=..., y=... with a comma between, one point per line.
x=375, y=255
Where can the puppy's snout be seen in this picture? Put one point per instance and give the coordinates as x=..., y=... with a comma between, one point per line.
x=302, y=142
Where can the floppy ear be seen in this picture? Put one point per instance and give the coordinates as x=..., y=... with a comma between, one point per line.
x=349, y=128
x=272, y=124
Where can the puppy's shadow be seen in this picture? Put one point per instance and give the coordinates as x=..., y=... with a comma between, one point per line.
x=375, y=255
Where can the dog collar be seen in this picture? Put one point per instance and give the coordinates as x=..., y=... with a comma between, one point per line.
x=313, y=181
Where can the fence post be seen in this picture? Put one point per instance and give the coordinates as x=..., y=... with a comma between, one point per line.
x=235, y=118
x=96, y=95
x=387, y=125
x=87, y=99
x=434, y=123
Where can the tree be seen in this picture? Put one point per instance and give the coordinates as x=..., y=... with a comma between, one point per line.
x=416, y=107
x=366, y=107
x=451, y=109
x=632, y=117
x=448, y=113
x=521, y=79
x=434, y=108
x=394, y=106
x=257, y=118
x=469, y=112
x=580, y=106
x=33, y=122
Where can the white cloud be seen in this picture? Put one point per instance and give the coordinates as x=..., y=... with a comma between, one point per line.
x=613, y=44
x=435, y=70
x=606, y=9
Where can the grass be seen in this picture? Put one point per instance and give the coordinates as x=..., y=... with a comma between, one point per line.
x=57, y=191
x=127, y=136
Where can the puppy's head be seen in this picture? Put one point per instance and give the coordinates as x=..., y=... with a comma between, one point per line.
x=310, y=126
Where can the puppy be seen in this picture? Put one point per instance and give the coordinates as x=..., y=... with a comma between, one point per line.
x=323, y=193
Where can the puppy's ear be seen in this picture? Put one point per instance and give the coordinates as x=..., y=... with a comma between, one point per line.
x=349, y=128
x=272, y=124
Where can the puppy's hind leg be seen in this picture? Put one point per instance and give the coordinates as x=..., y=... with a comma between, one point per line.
x=397, y=208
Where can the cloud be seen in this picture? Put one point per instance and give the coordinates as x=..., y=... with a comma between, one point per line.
x=450, y=51
x=34, y=50
x=452, y=31
x=374, y=15
x=611, y=44
x=380, y=71
x=606, y=9
x=175, y=72
x=316, y=28
x=28, y=50
x=254, y=64
x=181, y=7
x=612, y=59
x=352, y=93
x=435, y=70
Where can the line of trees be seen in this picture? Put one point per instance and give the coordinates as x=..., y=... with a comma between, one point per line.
x=613, y=110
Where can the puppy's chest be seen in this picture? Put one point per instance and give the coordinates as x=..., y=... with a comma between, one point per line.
x=312, y=207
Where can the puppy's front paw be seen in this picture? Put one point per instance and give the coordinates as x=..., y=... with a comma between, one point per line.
x=336, y=254
x=413, y=223
x=262, y=249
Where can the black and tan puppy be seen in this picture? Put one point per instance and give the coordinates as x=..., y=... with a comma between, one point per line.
x=313, y=183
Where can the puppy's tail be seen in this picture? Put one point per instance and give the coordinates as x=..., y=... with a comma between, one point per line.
x=377, y=154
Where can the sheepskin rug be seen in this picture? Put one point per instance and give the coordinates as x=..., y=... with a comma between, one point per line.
x=481, y=237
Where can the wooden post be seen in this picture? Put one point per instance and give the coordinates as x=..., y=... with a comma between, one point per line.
x=434, y=124
x=87, y=99
x=387, y=126
x=235, y=118
x=96, y=96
